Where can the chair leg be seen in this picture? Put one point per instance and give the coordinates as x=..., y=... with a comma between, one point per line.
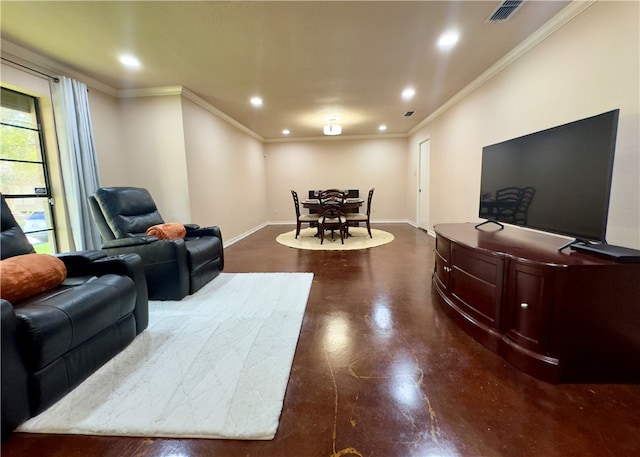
x=321, y=230
x=298, y=224
x=369, y=229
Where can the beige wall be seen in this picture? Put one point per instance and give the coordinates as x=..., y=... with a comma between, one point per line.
x=589, y=66
x=105, y=119
x=345, y=164
x=226, y=171
x=153, y=139
x=197, y=167
x=140, y=142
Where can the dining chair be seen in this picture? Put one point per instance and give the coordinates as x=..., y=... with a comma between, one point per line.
x=359, y=217
x=332, y=216
x=522, y=210
x=507, y=200
x=300, y=218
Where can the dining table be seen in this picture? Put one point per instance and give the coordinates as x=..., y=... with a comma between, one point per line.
x=313, y=204
x=349, y=205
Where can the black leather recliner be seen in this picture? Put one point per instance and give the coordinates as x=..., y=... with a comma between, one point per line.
x=174, y=268
x=53, y=340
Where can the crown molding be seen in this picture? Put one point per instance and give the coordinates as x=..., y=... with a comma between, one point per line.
x=189, y=95
x=150, y=92
x=558, y=21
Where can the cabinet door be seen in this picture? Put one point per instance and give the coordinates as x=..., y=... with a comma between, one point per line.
x=529, y=304
x=476, y=283
x=442, y=262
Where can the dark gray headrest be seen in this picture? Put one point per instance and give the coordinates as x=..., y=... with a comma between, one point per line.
x=13, y=241
x=128, y=210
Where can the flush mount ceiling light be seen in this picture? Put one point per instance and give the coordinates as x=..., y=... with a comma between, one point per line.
x=256, y=101
x=286, y=132
x=129, y=61
x=382, y=128
x=332, y=128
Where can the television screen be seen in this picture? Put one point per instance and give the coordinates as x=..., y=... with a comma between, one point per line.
x=556, y=180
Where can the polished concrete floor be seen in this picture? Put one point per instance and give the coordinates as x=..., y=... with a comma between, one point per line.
x=379, y=371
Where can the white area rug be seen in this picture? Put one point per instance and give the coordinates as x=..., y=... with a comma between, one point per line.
x=359, y=239
x=213, y=365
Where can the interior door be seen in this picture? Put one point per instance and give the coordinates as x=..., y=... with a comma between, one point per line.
x=423, y=185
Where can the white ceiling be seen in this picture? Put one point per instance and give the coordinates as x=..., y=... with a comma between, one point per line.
x=307, y=60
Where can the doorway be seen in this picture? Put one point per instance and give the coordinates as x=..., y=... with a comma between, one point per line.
x=424, y=159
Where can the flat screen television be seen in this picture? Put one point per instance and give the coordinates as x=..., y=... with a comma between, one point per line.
x=557, y=180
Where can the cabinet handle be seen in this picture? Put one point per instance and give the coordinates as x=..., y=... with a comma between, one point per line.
x=524, y=305
x=447, y=269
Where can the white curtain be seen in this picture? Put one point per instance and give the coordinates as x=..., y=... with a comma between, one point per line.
x=77, y=158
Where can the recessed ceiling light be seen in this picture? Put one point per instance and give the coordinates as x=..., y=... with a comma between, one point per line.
x=382, y=128
x=408, y=93
x=286, y=132
x=256, y=101
x=129, y=61
x=448, y=39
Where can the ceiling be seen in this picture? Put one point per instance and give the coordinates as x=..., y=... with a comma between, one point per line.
x=308, y=61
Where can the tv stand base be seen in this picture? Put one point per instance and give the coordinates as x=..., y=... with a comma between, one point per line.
x=490, y=222
x=558, y=316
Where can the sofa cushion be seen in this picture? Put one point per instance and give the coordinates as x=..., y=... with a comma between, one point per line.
x=26, y=275
x=167, y=231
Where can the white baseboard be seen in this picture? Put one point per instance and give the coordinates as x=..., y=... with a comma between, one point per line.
x=245, y=234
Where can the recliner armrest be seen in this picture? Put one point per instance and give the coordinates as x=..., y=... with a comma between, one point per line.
x=79, y=258
x=127, y=242
x=205, y=231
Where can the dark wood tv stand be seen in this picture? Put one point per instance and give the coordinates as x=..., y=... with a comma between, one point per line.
x=559, y=316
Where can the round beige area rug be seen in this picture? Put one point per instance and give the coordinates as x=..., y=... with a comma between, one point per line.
x=359, y=239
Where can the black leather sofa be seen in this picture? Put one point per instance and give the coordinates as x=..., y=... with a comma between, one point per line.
x=53, y=340
x=174, y=268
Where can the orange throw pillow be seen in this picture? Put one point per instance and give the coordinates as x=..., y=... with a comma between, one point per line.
x=167, y=231
x=26, y=275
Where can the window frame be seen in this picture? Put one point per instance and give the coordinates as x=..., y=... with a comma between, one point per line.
x=47, y=192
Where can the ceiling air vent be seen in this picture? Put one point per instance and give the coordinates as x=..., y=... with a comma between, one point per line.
x=409, y=113
x=505, y=10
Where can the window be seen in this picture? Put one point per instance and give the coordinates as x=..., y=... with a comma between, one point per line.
x=24, y=180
